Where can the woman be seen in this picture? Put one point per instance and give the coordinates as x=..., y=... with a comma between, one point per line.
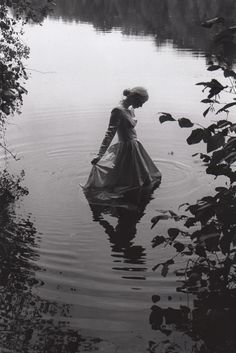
x=125, y=165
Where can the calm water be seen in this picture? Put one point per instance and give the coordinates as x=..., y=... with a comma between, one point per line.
x=102, y=274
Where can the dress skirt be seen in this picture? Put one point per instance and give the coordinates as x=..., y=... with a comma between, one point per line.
x=125, y=166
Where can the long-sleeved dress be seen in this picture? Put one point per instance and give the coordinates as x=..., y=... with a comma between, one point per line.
x=124, y=165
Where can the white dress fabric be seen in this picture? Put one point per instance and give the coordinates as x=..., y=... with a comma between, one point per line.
x=125, y=165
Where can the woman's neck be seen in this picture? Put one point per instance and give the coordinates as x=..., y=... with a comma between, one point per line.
x=126, y=104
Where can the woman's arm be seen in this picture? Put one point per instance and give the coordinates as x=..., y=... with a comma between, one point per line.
x=110, y=133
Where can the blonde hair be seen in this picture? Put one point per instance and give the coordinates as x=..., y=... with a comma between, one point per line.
x=141, y=91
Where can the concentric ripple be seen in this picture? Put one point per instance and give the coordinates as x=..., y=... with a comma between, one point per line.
x=100, y=266
x=178, y=179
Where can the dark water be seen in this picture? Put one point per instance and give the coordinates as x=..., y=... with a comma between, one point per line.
x=86, y=281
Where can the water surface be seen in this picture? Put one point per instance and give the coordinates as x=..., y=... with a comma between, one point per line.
x=101, y=271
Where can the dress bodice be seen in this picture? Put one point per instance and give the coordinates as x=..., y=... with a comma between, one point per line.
x=123, y=122
x=126, y=128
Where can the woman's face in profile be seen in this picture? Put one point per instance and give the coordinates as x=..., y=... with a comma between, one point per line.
x=138, y=101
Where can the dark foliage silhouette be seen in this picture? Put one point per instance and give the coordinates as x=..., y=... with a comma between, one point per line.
x=13, y=16
x=28, y=323
x=204, y=235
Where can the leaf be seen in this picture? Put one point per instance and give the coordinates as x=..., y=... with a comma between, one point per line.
x=156, y=219
x=165, y=268
x=223, y=123
x=173, y=233
x=203, y=210
x=156, y=298
x=184, y=204
x=215, y=84
x=215, y=142
x=202, y=84
x=184, y=122
x=233, y=128
x=191, y=221
x=229, y=73
x=158, y=240
x=231, y=143
x=219, y=170
x=206, y=111
x=166, y=117
x=225, y=107
x=213, y=67
x=212, y=127
x=208, y=199
x=206, y=136
x=221, y=189
x=208, y=101
x=179, y=247
x=205, y=157
x=230, y=158
x=196, y=136
x=215, y=88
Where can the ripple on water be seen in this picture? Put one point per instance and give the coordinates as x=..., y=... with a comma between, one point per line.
x=108, y=282
x=178, y=179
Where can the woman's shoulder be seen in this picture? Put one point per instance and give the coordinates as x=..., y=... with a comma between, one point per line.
x=118, y=110
x=118, y=113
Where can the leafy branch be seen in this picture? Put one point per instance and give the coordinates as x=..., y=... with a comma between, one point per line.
x=207, y=234
x=13, y=16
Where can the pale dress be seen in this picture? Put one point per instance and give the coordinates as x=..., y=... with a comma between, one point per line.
x=125, y=165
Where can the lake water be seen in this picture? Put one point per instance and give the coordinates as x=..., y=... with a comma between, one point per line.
x=98, y=277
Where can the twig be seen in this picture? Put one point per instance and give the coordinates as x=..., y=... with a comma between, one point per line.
x=41, y=72
x=6, y=149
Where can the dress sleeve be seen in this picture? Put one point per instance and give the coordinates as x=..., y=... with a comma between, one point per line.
x=114, y=123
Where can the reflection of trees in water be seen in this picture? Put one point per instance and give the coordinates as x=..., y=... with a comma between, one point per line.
x=207, y=327
x=176, y=20
x=27, y=322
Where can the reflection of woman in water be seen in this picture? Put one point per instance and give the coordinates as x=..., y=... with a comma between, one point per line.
x=125, y=165
x=121, y=235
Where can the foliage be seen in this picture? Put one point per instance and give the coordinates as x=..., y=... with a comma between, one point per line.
x=10, y=188
x=14, y=52
x=206, y=327
x=207, y=234
x=28, y=322
x=204, y=234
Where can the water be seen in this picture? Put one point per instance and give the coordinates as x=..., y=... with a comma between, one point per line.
x=99, y=276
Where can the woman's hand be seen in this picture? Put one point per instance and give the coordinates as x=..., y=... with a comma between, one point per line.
x=95, y=160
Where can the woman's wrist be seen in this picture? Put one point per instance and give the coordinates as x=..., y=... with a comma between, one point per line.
x=96, y=159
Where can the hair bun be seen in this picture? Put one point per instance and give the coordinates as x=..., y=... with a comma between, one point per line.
x=126, y=92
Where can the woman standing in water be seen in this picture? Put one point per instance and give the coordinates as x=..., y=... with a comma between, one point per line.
x=125, y=165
